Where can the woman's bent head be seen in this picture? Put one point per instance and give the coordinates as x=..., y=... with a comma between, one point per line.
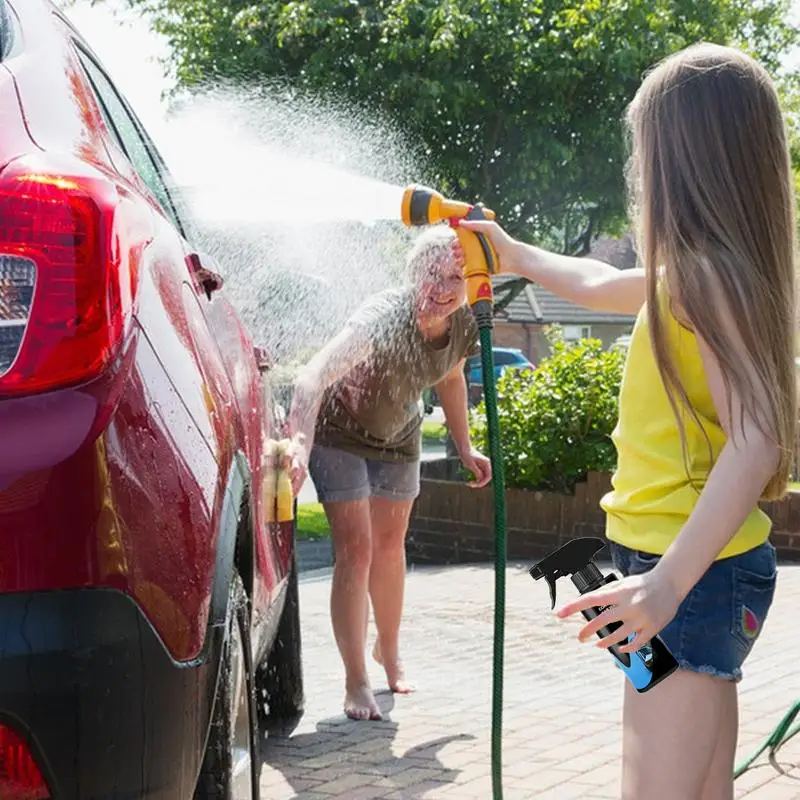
x=436, y=273
x=710, y=177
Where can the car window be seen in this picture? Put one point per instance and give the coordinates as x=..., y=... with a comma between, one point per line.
x=7, y=30
x=502, y=358
x=123, y=126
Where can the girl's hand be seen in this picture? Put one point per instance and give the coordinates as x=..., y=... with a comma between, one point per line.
x=479, y=466
x=458, y=253
x=504, y=245
x=644, y=604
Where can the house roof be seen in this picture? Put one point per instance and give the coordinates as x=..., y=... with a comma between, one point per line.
x=536, y=305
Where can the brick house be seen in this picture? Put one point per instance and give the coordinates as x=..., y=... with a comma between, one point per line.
x=522, y=322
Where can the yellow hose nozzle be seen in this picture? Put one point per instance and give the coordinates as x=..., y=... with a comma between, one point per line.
x=424, y=206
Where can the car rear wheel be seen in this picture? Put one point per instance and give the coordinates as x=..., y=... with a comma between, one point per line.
x=230, y=766
x=279, y=681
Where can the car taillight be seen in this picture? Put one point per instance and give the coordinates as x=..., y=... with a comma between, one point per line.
x=20, y=776
x=66, y=291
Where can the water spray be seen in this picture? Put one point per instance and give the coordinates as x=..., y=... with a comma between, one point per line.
x=424, y=206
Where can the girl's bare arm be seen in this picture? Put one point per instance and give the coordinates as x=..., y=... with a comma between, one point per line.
x=584, y=281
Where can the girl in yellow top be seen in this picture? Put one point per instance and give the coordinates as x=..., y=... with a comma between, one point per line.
x=707, y=405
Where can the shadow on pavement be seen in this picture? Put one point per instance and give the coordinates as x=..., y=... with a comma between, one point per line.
x=343, y=757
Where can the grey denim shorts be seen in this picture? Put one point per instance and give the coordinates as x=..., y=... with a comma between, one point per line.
x=341, y=476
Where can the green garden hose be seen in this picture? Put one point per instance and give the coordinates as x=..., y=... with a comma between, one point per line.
x=782, y=733
x=500, y=557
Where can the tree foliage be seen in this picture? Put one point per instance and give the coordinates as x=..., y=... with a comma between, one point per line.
x=517, y=103
x=556, y=422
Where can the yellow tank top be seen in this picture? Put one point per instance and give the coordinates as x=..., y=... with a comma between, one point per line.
x=652, y=494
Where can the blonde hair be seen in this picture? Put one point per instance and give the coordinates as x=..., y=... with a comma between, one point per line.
x=712, y=185
x=434, y=243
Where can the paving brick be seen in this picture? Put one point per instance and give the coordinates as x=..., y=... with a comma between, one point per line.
x=562, y=712
x=348, y=784
x=565, y=791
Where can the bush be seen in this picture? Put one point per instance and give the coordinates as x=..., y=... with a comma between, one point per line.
x=556, y=421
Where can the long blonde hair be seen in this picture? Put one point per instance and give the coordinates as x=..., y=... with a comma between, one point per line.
x=712, y=186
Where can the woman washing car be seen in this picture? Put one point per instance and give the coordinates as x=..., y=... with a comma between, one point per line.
x=356, y=423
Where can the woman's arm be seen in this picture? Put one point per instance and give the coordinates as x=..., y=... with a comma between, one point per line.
x=584, y=281
x=452, y=391
x=347, y=349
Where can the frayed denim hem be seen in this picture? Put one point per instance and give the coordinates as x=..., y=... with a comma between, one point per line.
x=707, y=669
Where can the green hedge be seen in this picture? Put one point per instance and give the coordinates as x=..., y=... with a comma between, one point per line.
x=556, y=421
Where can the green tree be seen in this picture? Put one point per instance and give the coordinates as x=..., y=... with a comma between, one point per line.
x=517, y=103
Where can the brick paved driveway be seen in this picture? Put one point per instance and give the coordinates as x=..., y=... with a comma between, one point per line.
x=562, y=702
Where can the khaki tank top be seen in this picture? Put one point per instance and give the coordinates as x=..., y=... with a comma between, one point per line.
x=375, y=411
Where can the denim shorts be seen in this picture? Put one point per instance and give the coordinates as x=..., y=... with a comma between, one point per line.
x=720, y=619
x=341, y=476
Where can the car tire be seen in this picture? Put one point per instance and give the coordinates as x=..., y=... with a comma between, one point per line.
x=231, y=763
x=279, y=681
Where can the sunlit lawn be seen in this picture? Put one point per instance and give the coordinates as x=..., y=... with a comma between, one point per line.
x=433, y=433
x=311, y=522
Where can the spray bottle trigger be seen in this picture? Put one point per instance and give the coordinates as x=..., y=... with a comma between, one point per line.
x=551, y=583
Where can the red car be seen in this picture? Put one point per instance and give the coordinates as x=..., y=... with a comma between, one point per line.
x=148, y=588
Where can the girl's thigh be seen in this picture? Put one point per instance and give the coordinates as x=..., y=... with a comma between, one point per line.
x=675, y=736
x=679, y=739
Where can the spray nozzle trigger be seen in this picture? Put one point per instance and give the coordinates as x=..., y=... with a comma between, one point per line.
x=551, y=578
x=571, y=559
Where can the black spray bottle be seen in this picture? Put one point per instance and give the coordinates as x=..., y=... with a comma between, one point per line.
x=645, y=667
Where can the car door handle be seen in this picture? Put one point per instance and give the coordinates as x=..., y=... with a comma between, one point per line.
x=207, y=279
x=264, y=359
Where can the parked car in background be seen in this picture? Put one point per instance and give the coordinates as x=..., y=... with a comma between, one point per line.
x=148, y=585
x=505, y=358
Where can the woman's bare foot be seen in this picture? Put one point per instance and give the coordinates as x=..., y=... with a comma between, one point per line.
x=395, y=675
x=360, y=704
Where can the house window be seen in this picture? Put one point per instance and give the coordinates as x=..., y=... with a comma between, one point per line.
x=573, y=333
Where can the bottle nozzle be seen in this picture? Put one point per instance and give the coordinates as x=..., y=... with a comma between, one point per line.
x=569, y=559
x=551, y=583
